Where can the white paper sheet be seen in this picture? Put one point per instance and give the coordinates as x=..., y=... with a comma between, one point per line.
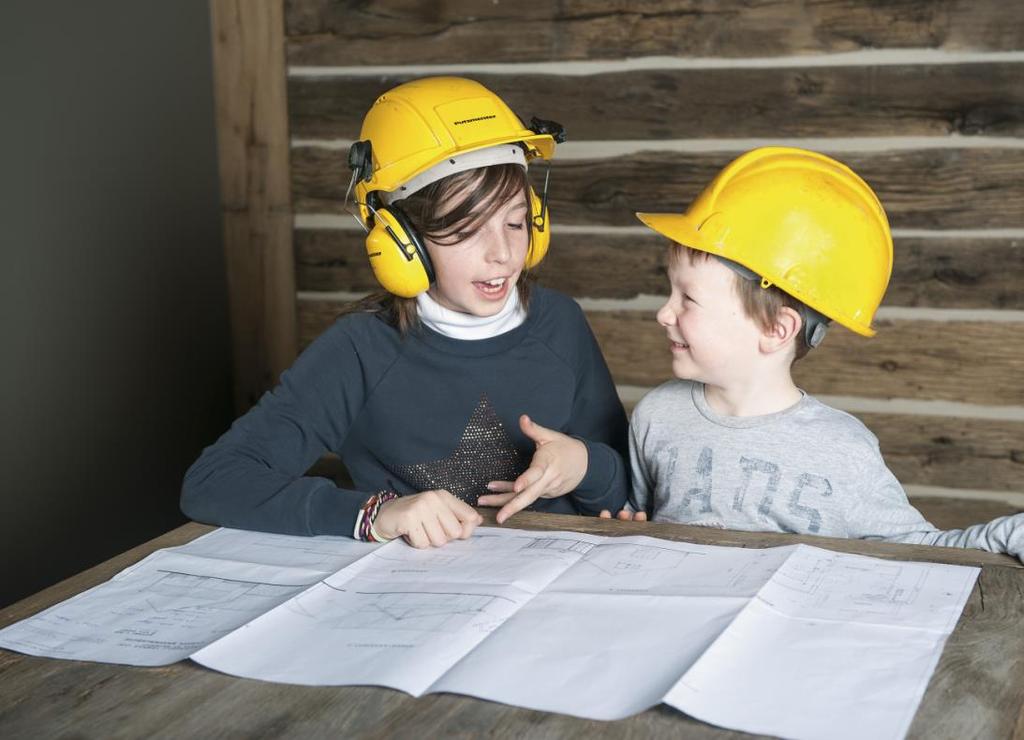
x=609, y=638
x=793, y=641
x=400, y=617
x=834, y=645
x=175, y=601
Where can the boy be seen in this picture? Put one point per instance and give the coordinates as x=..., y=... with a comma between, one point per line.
x=781, y=242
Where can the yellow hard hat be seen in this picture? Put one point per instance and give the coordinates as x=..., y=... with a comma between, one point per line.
x=801, y=221
x=423, y=130
x=419, y=124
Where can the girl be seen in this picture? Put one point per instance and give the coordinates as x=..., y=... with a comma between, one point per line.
x=437, y=391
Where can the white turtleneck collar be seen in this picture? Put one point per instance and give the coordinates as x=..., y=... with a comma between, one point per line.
x=467, y=326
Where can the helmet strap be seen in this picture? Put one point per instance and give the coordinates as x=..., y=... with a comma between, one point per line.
x=540, y=219
x=347, y=207
x=815, y=326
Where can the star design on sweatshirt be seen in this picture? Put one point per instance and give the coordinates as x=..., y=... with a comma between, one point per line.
x=485, y=453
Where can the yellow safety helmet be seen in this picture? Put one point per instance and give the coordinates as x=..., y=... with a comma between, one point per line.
x=416, y=127
x=801, y=221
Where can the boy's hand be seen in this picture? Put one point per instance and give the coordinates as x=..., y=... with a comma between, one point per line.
x=626, y=516
x=558, y=466
x=428, y=519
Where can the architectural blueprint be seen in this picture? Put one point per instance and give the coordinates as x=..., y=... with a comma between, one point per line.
x=170, y=604
x=781, y=640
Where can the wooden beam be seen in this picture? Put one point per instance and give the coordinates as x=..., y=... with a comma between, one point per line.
x=252, y=142
x=329, y=32
x=774, y=103
x=941, y=188
x=944, y=272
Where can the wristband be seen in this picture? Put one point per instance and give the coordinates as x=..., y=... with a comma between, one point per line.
x=368, y=513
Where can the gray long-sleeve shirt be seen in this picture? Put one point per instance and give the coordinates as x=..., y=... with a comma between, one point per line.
x=808, y=469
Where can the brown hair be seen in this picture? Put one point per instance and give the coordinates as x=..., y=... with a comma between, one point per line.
x=761, y=305
x=478, y=194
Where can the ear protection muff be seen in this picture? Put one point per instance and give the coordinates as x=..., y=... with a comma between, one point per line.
x=397, y=254
x=540, y=231
x=400, y=260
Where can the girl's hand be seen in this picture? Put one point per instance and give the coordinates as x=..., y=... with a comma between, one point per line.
x=558, y=466
x=626, y=516
x=428, y=519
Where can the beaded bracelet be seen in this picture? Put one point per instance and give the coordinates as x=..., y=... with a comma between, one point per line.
x=364, y=519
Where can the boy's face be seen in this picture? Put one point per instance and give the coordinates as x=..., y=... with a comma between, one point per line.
x=712, y=340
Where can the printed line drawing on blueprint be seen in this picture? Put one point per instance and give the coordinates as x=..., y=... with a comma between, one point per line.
x=421, y=558
x=560, y=545
x=400, y=611
x=326, y=554
x=641, y=567
x=488, y=559
x=319, y=555
x=152, y=616
x=187, y=591
x=626, y=560
x=530, y=544
x=849, y=586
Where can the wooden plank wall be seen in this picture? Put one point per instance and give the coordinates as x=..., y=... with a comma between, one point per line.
x=252, y=148
x=925, y=100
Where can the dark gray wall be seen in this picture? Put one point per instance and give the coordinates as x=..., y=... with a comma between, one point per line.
x=114, y=351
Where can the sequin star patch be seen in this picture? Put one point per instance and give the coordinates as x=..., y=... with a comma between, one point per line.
x=485, y=453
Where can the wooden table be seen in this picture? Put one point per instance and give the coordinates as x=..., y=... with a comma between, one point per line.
x=976, y=691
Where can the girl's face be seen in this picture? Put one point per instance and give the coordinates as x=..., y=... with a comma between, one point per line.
x=476, y=274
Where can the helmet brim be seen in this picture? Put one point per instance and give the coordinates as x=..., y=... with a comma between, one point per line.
x=682, y=229
x=537, y=146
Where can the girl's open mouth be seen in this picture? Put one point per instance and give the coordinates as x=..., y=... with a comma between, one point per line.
x=492, y=289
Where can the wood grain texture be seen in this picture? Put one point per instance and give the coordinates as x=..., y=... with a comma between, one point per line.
x=774, y=103
x=948, y=272
x=921, y=188
x=951, y=452
x=958, y=701
x=328, y=32
x=976, y=690
x=956, y=513
x=973, y=362
x=967, y=361
x=252, y=143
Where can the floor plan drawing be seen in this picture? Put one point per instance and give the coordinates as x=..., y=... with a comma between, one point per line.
x=647, y=566
x=859, y=589
x=594, y=626
x=418, y=611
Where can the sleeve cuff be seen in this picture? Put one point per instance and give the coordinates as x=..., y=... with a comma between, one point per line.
x=604, y=468
x=333, y=510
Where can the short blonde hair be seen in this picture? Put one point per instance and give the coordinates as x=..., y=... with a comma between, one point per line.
x=762, y=305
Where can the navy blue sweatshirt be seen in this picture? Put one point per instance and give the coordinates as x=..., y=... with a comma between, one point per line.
x=414, y=413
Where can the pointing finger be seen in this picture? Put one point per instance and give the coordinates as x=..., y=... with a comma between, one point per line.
x=496, y=499
x=535, y=431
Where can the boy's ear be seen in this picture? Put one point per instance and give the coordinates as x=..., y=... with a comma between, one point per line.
x=788, y=324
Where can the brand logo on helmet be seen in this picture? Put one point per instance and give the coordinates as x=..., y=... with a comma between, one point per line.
x=473, y=120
